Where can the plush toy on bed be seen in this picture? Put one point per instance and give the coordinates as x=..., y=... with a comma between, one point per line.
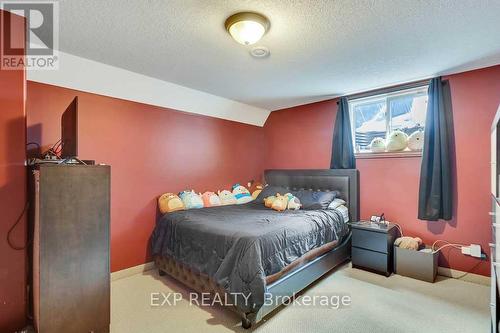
x=268, y=202
x=226, y=198
x=241, y=194
x=409, y=243
x=280, y=203
x=191, y=199
x=210, y=199
x=397, y=141
x=377, y=145
x=416, y=141
x=169, y=202
x=293, y=202
x=255, y=188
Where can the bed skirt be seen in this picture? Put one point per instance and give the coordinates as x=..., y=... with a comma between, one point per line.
x=294, y=281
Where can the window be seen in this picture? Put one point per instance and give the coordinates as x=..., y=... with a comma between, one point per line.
x=377, y=116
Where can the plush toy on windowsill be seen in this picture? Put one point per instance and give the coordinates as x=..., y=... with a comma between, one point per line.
x=416, y=141
x=377, y=145
x=409, y=243
x=397, y=141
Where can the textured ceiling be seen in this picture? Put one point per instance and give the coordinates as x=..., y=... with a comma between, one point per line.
x=319, y=49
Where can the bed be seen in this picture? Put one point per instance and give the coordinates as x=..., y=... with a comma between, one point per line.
x=248, y=253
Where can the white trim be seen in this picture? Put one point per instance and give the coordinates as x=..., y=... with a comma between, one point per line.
x=94, y=77
x=132, y=271
x=397, y=154
x=464, y=276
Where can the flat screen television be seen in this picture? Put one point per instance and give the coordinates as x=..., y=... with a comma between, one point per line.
x=69, y=130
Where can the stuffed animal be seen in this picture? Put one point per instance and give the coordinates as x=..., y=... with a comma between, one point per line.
x=409, y=243
x=397, y=141
x=226, y=198
x=241, y=194
x=210, y=199
x=377, y=145
x=416, y=141
x=268, y=202
x=170, y=202
x=293, y=203
x=255, y=188
x=280, y=203
x=191, y=199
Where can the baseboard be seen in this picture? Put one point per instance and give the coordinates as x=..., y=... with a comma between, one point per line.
x=443, y=271
x=464, y=276
x=132, y=271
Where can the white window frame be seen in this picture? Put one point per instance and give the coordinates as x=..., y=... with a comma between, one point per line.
x=387, y=97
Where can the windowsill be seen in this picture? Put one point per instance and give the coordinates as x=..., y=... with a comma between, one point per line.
x=398, y=154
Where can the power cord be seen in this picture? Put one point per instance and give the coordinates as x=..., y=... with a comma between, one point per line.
x=459, y=247
x=54, y=151
x=399, y=228
x=33, y=143
x=448, y=244
x=11, y=244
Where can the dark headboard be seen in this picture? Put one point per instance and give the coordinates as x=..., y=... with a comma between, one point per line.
x=346, y=181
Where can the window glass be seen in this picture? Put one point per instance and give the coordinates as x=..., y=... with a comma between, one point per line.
x=377, y=116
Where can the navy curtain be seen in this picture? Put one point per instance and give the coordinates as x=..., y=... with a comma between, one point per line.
x=342, y=147
x=435, y=194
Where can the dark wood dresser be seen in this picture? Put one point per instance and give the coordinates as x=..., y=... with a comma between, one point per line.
x=71, y=273
x=372, y=246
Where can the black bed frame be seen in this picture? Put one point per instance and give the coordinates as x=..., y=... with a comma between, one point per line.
x=346, y=181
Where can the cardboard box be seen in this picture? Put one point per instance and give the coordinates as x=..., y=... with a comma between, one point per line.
x=419, y=265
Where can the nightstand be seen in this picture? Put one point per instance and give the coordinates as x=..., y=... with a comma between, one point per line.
x=372, y=246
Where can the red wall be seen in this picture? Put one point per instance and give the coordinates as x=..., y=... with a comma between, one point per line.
x=12, y=191
x=151, y=150
x=390, y=185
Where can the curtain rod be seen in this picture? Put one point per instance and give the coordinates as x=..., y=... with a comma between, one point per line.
x=387, y=90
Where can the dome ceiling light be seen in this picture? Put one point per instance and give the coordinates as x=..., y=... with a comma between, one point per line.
x=247, y=28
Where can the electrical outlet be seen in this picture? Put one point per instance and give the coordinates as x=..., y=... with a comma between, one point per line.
x=475, y=250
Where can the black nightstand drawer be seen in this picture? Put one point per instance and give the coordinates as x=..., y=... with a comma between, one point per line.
x=370, y=259
x=370, y=240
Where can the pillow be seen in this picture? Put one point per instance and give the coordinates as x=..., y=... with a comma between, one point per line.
x=313, y=200
x=269, y=191
x=335, y=203
x=344, y=211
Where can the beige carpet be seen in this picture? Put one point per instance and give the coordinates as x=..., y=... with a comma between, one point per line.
x=379, y=304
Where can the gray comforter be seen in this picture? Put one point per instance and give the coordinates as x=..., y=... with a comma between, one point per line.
x=239, y=245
